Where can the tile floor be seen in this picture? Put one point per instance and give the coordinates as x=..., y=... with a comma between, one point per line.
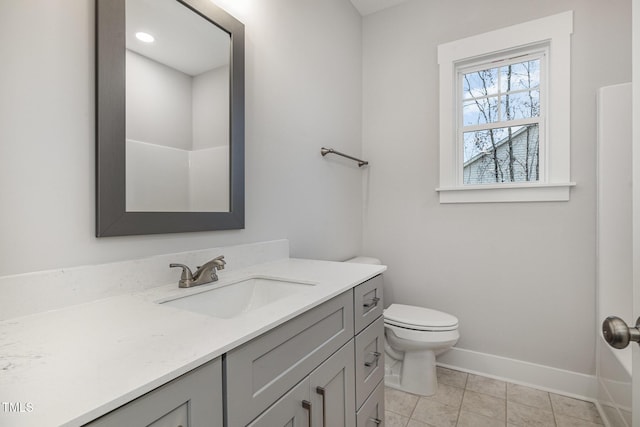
x=467, y=400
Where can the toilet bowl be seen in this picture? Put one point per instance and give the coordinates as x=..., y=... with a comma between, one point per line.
x=414, y=336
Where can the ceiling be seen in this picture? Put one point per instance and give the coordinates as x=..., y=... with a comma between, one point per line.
x=203, y=47
x=365, y=7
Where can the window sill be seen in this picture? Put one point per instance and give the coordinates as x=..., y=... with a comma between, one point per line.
x=504, y=193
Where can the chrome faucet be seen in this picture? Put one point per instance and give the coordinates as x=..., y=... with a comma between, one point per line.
x=206, y=273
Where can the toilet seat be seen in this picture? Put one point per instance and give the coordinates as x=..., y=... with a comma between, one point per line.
x=419, y=318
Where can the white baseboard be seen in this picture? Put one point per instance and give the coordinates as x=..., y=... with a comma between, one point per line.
x=559, y=381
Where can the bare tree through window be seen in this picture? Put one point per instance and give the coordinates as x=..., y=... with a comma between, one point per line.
x=501, y=122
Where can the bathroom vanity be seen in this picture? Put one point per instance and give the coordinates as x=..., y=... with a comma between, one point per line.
x=314, y=356
x=303, y=370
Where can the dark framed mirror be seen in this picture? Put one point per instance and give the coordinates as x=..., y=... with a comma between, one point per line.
x=169, y=117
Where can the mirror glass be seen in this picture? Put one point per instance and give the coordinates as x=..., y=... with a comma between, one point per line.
x=169, y=117
x=177, y=109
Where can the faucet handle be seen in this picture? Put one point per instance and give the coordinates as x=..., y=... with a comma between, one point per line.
x=186, y=276
x=221, y=263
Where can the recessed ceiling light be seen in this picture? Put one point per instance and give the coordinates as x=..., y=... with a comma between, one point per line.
x=145, y=37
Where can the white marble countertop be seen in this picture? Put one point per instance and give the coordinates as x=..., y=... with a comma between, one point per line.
x=69, y=366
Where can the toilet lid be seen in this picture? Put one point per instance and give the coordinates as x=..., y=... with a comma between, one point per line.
x=420, y=318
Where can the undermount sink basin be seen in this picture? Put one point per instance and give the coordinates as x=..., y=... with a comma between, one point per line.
x=238, y=298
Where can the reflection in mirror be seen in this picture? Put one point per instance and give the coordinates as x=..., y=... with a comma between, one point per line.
x=169, y=117
x=177, y=109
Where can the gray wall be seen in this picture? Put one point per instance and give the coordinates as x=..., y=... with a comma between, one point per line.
x=520, y=277
x=159, y=103
x=303, y=88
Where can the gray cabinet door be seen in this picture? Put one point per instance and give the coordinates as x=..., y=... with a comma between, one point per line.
x=262, y=370
x=333, y=389
x=194, y=400
x=291, y=410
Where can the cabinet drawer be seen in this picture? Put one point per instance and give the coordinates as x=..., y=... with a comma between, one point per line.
x=369, y=360
x=368, y=303
x=371, y=414
x=195, y=396
x=262, y=370
x=289, y=410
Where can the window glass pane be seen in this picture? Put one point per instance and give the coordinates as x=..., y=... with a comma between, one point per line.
x=481, y=142
x=509, y=154
x=480, y=111
x=480, y=83
x=520, y=105
x=523, y=75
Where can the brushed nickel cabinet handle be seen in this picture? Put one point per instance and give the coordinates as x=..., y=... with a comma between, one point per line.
x=372, y=302
x=376, y=356
x=376, y=420
x=321, y=392
x=307, y=405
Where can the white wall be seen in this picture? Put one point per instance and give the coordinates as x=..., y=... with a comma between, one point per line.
x=159, y=103
x=520, y=277
x=303, y=84
x=206, y=167
x=210, y=98
x=167, y=179
x=158, y=177
x=168, y=107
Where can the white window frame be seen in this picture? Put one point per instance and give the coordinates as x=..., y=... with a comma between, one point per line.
x=552, y=33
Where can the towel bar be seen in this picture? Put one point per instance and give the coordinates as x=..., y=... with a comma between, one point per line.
x=325, y=151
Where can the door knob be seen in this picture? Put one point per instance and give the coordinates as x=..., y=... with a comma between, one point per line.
x=618, y=334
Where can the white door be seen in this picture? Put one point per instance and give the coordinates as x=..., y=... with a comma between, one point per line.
x=632, y=333
x=615, y=243
x=636, y=200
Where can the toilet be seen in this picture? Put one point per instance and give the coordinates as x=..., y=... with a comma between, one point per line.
x=414, y=336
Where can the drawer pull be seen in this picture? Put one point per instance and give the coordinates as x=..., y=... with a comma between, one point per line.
x=378, y=421
x=320, y=391
x=372, y=302
x=376, y=356
x=307, y=405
